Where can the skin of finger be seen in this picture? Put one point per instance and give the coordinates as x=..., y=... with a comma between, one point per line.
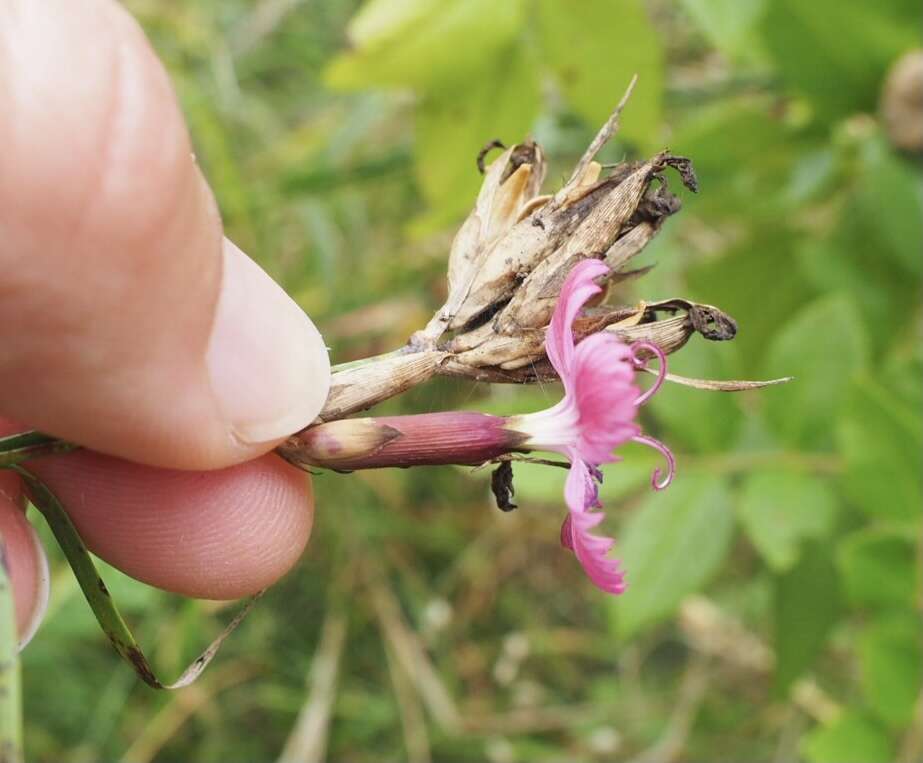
x=221, y=534
x=101, y=207
x=21, y=553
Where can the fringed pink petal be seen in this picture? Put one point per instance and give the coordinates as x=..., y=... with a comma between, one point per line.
x=581, y=490
x=577, y=289
x=656, y=481
x=592, y=552
x=604, y=391
x=640, y=362
x=582, y=494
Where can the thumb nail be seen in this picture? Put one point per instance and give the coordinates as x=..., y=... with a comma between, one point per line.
x=268, y=365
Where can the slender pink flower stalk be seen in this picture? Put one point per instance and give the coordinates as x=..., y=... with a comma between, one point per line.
x=596, y=415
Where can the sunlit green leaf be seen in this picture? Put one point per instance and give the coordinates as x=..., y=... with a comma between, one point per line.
x=823, y=346
x=891, y=662
x=729, y=25
x=670, y=548
x=850, y=738
x=425, y=43
x=779, y=509
x=806, y=604
x=594, y=47
x=879, y=568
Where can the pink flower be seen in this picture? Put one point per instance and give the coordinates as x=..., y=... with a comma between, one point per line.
x=595, y=416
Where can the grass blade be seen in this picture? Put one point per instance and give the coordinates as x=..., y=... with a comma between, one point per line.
x=99, y=598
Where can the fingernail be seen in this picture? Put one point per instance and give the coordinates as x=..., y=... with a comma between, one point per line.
x=269, y=369
x=43, y=589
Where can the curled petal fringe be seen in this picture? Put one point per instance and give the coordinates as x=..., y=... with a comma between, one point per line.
x=592, y=550
x=640, y=363
x=656, y=481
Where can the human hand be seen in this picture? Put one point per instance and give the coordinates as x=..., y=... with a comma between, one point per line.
x=130, y=325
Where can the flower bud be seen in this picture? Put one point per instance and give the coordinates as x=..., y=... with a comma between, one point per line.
x=428, y=439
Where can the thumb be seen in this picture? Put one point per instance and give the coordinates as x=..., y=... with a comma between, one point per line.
x=128, y=323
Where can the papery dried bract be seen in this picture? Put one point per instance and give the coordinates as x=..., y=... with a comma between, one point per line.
x=510, y=188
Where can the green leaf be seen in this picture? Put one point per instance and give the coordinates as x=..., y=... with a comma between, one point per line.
x=806, y=605
x=880, y=439
x=453, y=125
x=851, y=738
x=780, y=509
x=824, y=346
x=891, y=664
x=872, y=248
x=837, y=53
x=594, y=48
x=879, y=568
x=671, y=547
x=425, y=43
x=729, y=25
x=889, y=201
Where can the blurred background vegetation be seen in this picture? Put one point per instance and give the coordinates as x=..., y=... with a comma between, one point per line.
x=774, y=600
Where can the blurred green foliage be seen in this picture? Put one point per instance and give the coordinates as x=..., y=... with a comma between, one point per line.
x=774, y=599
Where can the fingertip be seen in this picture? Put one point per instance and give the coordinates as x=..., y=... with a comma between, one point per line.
x=118, y=281
x=214, y=535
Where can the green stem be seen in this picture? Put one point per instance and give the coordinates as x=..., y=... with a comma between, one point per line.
x=10, y=690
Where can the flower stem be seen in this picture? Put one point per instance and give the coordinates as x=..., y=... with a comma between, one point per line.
x=10, y=693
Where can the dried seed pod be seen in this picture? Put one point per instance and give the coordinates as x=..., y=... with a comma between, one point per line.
x=613, y=205
x=511, y=184
x=528, y=243
x=619, y=203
